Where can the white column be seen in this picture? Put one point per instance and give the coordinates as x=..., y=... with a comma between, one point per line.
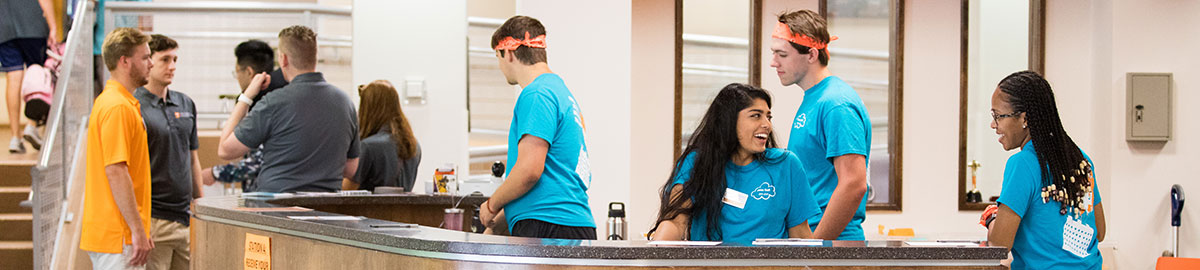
x=420, y=40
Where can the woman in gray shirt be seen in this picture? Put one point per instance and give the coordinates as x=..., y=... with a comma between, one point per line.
x=390, y=153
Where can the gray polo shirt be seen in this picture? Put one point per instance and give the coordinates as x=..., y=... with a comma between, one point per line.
x=171, y=136
x=21, y=19
x=308, y=129
x=380, y=165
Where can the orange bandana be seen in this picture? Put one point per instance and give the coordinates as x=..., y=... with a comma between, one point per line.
x=782, y=31
x=510, y=43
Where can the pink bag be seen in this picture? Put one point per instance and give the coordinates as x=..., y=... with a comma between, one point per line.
x=37, y=87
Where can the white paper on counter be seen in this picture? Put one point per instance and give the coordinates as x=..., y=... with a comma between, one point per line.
x=326, y=218
x=941, y=244
x=683, y=243
x=788, y=242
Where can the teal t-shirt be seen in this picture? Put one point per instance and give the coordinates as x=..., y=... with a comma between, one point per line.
x=547, y=110
x=121, y=21
x=778, y=198
x=1046, y=239
x=831, y=122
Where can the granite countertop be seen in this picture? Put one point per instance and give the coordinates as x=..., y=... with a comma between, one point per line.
x=406, y=199
x=429, y=239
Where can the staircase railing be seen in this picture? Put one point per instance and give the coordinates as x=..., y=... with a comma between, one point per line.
x=64, y=137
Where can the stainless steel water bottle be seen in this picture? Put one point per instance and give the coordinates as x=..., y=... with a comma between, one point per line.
x=617, y=228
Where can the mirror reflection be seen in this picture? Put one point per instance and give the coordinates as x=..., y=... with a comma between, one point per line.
x=997, y=44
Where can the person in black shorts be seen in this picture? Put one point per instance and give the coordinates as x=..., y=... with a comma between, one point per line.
x=26, y=26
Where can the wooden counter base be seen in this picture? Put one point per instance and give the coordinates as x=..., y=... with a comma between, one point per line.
x=221, y=246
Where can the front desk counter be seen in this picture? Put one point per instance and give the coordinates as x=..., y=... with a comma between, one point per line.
x=221, y=226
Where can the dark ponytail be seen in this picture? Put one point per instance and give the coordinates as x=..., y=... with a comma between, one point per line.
x=1066, y=174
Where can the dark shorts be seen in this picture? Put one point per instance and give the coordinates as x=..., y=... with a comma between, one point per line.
x=17, y=53
x=541, y=229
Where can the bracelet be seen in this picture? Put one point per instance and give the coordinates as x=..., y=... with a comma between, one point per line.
x=489, y=207
x=247, y=100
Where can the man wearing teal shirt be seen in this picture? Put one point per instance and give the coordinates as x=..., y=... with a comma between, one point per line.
x=832, y=131
x=545, y=194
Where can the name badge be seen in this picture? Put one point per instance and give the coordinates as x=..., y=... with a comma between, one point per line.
x=735, y=198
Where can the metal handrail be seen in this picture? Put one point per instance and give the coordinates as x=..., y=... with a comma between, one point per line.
x=55, y=168
x=60, y=91
x=228, y=6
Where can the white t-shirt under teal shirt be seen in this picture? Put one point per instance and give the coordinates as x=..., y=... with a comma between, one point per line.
x=1046, y=239
x=778, y=197
x=547, y=110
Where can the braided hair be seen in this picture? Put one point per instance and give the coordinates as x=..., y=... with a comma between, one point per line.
x=1066, y=173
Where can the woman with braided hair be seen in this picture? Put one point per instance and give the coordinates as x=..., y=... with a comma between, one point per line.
x=1049, y=211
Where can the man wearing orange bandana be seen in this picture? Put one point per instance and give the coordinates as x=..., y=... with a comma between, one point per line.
x=545, y=194
x=832, y=131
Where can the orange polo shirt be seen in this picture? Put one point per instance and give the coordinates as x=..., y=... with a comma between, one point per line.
x=115, y=134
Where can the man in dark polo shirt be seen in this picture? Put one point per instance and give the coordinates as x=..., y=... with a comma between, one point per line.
x=170, y=119
x=308, y=129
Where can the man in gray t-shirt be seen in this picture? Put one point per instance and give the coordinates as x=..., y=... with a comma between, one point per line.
x=308, y=129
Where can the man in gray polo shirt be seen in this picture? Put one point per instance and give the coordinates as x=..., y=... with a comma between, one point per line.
x=308, y=129
x=170, y=118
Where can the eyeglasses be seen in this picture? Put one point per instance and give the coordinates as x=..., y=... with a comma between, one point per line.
x=996, y=117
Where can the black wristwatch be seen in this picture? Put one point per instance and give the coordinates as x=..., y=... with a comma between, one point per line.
x=988, y=223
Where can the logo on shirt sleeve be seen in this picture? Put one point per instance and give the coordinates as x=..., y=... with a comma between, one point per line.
x=800, y=121
x=764, y=191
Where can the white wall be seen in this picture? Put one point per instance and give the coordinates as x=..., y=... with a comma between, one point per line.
x=1144, y=36
x=588, y=44
x=395, y=40
x=652, y=103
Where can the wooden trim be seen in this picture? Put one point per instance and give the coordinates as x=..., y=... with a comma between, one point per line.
x=895, y=110
x=678, y=78
x=1037, y=36
x=756, y=42
x=963, y=101
x=964, y=40
x=823, y=9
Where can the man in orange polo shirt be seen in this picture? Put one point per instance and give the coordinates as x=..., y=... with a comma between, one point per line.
x=116, y=207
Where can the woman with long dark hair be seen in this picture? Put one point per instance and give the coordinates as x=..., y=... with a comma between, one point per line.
x=1049, y=211
x=731, y=183
x=390, y=153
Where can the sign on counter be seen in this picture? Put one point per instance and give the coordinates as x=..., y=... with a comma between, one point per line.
x=258, y=252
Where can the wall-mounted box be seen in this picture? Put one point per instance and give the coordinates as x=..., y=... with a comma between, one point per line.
x=1148, y=106
x=413, y=91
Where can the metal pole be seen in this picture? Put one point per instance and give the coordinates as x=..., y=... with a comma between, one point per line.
x=1175, y=240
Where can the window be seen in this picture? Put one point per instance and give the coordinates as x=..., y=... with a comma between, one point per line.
x=867, y=57
x=490, y=99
